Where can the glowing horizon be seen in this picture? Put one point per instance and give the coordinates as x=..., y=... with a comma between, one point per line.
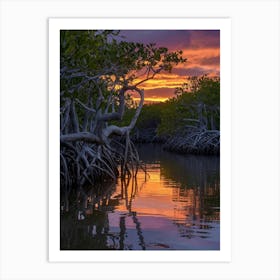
x=200, y=47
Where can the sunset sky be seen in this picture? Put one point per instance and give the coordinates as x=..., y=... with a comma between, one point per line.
x=200, y=47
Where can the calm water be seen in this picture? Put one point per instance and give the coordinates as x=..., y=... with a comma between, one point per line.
x=175, y=207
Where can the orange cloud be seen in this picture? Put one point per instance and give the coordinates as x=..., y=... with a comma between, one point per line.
x=200, y=47
x=199, y=61
x=202, y=57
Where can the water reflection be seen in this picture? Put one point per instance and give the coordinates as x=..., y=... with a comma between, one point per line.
x=174, y=207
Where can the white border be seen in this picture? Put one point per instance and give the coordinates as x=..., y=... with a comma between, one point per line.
x=255, y=156
x=224, y=254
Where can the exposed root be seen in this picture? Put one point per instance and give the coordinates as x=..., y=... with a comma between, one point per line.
x=83, y=163
x=90, y=150
x=195, y=141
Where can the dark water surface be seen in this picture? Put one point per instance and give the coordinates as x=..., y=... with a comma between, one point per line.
x=175, y=207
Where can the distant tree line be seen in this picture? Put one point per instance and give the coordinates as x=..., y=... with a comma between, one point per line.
x=187, y=123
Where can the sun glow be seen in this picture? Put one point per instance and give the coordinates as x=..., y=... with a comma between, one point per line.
x=201, y=48
x=149, y=100
x=163, y=85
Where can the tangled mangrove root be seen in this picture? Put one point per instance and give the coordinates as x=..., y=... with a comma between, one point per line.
x=195, y=141
x=91, y=150
x=88, y=164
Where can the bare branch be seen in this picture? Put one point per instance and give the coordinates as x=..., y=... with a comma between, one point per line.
x=81, y=136
x=112, y=129
x=84, y=106
x=150, y=77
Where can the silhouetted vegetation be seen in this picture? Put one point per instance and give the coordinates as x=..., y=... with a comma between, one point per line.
x=98, y=71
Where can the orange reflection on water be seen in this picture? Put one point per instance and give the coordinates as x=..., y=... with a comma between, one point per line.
x=174, y=206
x=154, y=195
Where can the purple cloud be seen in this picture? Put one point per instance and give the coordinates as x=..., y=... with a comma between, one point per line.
x=205, y=39
x=172, y=39
x=214, y=60
x=175, y=39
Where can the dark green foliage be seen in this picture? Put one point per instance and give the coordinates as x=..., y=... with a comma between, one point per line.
x=188, y=122
x=195, y=104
